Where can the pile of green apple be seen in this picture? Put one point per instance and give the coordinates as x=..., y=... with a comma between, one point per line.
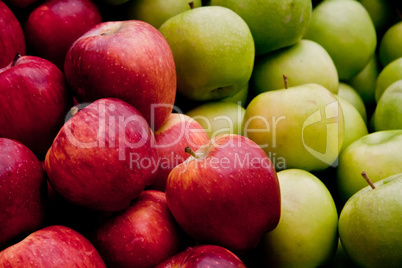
x=220, y=133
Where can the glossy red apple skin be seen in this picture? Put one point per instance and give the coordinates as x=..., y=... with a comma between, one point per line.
x=23, y=191
x=143, y=235
x=52, y=27
x=34, y=101
x=229, y=197
x=178, y=132
x=54, y=246
x=12, y=40
x=90, y=161
x=129, y=60
x=203, y=256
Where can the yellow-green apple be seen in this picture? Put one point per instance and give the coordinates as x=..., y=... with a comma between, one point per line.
x=390, y=74
x=391, y=43
x=178, y=132
x=274, y=24
x=298, y=127
x=54, y=246
x=303, y=63
x=370, y=224
x=371, y=153
x=22, y=191
x=12, y=40
x=53, y=26
x=219, y=118
x=129, y=60
x=226, y=193
x=355, y=126
x=156, y=12
x=103, y=156
x=34, y=101
x=213, y=50
x=346, y=31
x=388, y=112
x=365, y=82
x=203, y=256
x=348, y=93
x=143, y=235
x=306, y=235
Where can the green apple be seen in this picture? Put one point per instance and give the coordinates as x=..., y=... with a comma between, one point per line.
x=364, y=82
x=306, y=235
x=388, y=113
x=219, y=118
x=370, y=224
x=156, y=12
x=390, y=74
x=239, y=98
x=391, y=44
x=355, y=127
x=274, y=24
x=298, y=127
x=346, y=31
x=303, y=63
x=213, y=50
x=381, y=12
x=350, y=94
x=378, y=153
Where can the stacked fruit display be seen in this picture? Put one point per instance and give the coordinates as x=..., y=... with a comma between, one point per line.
x=222, y=133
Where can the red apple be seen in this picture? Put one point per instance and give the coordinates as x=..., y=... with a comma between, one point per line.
x=228, y=194
x=54, y=246
x=144, y=235
x=203, y=256
x=92, y=161
x=52, y=27
x=178, y=132
x=33, y=102
x=23, y=190
x=129, y=60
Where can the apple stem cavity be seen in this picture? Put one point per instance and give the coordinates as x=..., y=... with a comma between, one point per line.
x=285, y=80
x=17, y=56
x=191, y=4
x=366, y=177
x=190, y=151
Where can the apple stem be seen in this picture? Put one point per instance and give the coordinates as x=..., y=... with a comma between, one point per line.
x=285, y=80
x=74, y=110
x=190, y=151
x=366, y=177
x=17, y=56
x=191, y=3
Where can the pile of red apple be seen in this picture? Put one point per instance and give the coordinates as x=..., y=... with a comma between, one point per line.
x=221, y=133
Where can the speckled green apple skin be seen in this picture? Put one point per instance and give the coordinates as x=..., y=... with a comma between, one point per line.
x=274, y=24
x=213, y=50
x=274, y=120
x=306, y=235
x=346, y=31
x=370, y=224
x=390, y=74
x=379, y=154
x=156, y=12
x=391, y=43
x=388, y=112
x=303, y=63
x=348, y=93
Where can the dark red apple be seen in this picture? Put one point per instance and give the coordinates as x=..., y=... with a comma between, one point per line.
x=12, y=40
x=23, y=190
x=33, y=102
x=54, y=246
x=129, y=60
x=92, y=161
x=52, y=27
x=203, y=256
x=178, y=132
x=143, y=235
x=226, y=194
